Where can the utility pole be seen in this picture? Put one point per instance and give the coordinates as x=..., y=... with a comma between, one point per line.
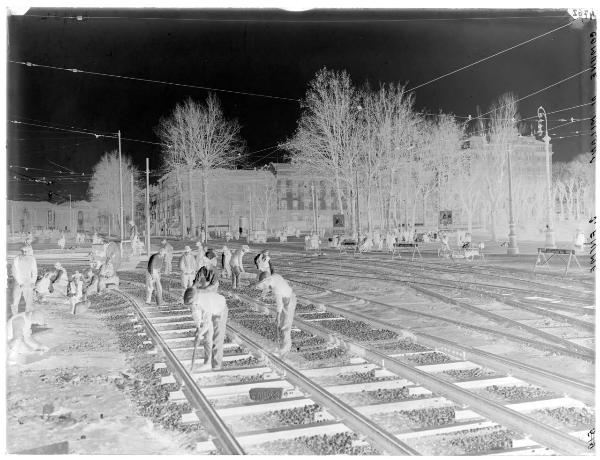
x=12, y=219
x=148, y=206
x=251, y=216
x=550, y=242
x=70, y=215
x=357, y=209
x=132, y=200
x=513, y=248
x=316, y=215
x=120, y=188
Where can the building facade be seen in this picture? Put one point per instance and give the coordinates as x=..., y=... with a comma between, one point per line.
x=32, y=216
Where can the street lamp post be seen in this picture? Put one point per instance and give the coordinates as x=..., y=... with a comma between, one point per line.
x=550, y=241
x=513, y=248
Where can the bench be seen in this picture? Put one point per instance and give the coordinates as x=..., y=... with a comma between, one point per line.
x=346, y=245
x=543, y=259
x=398, y=247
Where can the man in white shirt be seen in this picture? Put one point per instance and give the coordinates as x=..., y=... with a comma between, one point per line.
x=24, y=272
x=187, y=266
x=209, y=312
x=285, y=299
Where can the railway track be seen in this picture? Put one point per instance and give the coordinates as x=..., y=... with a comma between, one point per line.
x=530, y=335
x=537, y=319
x=361, y=391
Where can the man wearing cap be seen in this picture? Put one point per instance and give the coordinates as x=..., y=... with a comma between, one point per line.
x=237, y=265
x=187, y=265
x=24, y=272
x=42, y=286
x=168, y=258
x=107, y=275
x=263, y=262
x=155, y=264
x=211, y=262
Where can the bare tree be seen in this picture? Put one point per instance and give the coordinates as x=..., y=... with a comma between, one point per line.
x=323, y=143
x=198, y=135
x=103, y=188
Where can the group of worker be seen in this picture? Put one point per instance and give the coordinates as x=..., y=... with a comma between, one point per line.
x=53, y=283
x=200, y=284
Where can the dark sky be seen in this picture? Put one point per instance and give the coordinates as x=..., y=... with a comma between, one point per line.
x=269, y=52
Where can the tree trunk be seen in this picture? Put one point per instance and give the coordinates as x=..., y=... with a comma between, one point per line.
x=205, y=192
x=193, y=221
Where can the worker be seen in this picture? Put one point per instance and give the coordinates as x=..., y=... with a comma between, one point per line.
x=90, y=283
x=155, y=264
x=206, y=278
x=237, y=265
x=263, y=263
x=285, y=300
x=18, y=334
x=75, y=290
x=211, y=262
x=200, y=256
x=42, y=286
x=134, y=238
x=168, y=257
x=24, y=272
x=225, y=261
x=59, y=281
x=579, y=240
x=187, y=266
x=107, y=275
x=209, y=312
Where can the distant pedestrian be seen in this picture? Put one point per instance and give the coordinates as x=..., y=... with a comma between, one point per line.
x=200, y=256
x=155, y=264
x=24, y=272
x=75, y=290
x=62, y=242
x=168, y=262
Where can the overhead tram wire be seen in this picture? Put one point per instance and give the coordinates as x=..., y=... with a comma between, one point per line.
x=535, y=92
x=305, y=20
x=490, y=57
x=149, y=80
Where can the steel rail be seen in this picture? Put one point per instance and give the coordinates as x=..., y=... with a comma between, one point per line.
x=546, y=435
x=573, y=350
x=589, y=326
x=566, y=293
x=225, y=439
x=558, y=383
x=381, y=438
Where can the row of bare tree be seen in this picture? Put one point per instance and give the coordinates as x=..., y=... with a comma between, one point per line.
x=384, y=160
x=381, y=155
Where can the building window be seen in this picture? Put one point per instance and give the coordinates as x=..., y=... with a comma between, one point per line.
x=283, y=205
